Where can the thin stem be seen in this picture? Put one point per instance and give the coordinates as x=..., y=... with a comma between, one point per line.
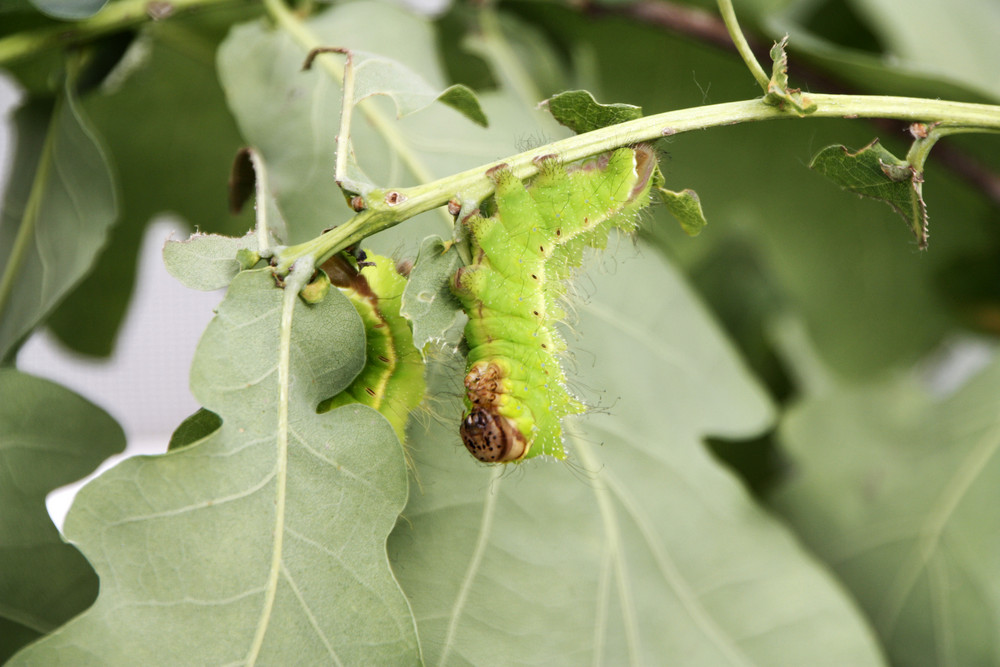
x=497, y=51
x=472, y=185
x=921, y=148
x=262, y=192
x=733, y=26
x=344, y=135
x=113, y=18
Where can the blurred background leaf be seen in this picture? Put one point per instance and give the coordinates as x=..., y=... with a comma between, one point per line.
x=896, y=486
x=172, y=155
x=642, y=548
x=49, y=436
x=848, y=266
x=69, y=9
x=58, y=207
x=292, y=118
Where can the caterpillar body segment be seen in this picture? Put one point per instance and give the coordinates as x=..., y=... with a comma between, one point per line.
x=516, y=391
x=392, y=380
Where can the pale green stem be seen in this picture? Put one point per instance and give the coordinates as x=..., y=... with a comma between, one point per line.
x=344, y=135
x=921, y=148
x=473, y=185
x=114, y=17
x=733, y=26
x=262, y=192
x=495, y=48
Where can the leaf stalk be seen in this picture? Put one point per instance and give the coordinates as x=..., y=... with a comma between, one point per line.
x=736, y=34
x=384, y=125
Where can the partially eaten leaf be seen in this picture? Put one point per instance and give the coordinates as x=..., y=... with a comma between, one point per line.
x=876, y=173
x=580, y=112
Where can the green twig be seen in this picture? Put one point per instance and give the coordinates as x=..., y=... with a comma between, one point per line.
x=733, y=26
x=922, y=145
x=347, y=109
x=390, y=207
x=262, y=193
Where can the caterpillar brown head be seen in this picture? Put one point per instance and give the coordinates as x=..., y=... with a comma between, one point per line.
x=492, y=438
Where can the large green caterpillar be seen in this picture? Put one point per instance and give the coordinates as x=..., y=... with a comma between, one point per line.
x=392, y=380
x=515, y=387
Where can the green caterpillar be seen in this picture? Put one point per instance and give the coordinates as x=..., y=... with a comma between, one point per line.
x=392, y=380
x=515, y=387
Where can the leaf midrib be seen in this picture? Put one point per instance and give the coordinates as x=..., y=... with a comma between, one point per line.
x=482, y=543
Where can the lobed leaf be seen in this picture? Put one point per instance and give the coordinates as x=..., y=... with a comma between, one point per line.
x=265, y=539
x=646, y=550
x=172, y=156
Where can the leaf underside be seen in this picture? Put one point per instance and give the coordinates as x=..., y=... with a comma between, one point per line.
x=641, y=549
x=236, y=542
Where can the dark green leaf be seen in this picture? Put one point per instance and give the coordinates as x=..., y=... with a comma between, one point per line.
x=463, y=99
x=580, y=112
x=954, y=41
x=173, y=155
x=875, y=172
x=49, y=437
x=266, y=539
x=839, y=261
x=58, y=208
x=201, y=424
x=927, y=51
